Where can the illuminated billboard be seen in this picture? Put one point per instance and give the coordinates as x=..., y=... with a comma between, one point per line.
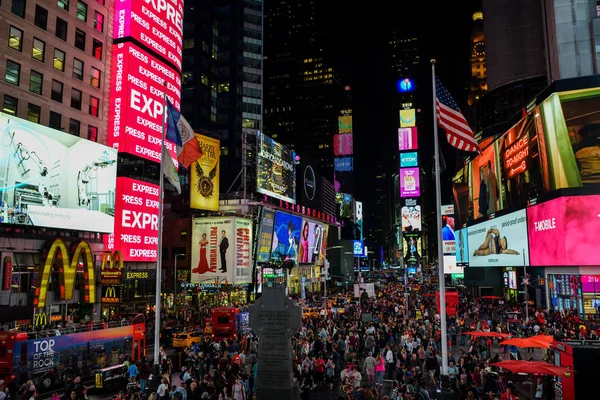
x=412, y=247
x=343, y=145
x=343, y=164
x=451, y=267
x=221, y=249
x=158, y=24
x=344, y=201
x=409, y=159
x=408, y=118
x=345, y=124
x=405, y=85
x=265, y=237
x=204, y=175
x=462, y=247
x=311, y=241
x=54, y=179
x=407, y=139
x=137, y=102
x=411, y=218
x=276, y=170
x=448, y=236
x=136, y=221
x=286, y=237
x=410, y=185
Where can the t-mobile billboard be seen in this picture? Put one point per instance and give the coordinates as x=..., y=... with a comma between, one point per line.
x=136, y=221
x=137, y=103
x=157, y=24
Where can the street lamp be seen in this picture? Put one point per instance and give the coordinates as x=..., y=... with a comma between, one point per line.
x=175, y=281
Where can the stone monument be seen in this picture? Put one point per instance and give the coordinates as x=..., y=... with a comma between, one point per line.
x=275, y=319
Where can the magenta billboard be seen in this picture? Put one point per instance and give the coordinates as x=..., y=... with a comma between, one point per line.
x=407, y=139
x=410, y=185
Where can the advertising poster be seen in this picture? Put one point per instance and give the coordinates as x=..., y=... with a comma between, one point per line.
x=410, y=159
x=408, y=118
x=451, y=267
x=407, y=139
x=158, y=25
x=276, y=170
x=344, y=201
x=590, y=283
x=409, y=182
x=137, y=102
x=323, y=254
x=213, y=249
x=412, y=248
x=243, y=250
x=286, y=237
x=266, y=236
x=343, y=145
x=562, y=231
x=136, y=221
x=309, y=183
x=359, y=248
x=411, y=219
x=345, y=124
x=343, y=164
x=311, y=240
x=462, y=247
x=53, y=179
x=204, y=175
x=448, y=236
x=500, y=242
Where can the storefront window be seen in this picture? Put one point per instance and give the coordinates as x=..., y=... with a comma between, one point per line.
x=25, y=272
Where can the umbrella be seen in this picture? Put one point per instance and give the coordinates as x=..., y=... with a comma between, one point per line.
x=527, y=342
x=487, y=334
x=533, y=367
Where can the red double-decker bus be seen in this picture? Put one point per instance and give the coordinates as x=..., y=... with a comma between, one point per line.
x=228, y=322
x=54, y=356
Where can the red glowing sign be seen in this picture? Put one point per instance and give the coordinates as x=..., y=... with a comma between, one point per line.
x=136, y=221
x=516, y=157
x=343, y=144
x=137, y=102
x=157, y=24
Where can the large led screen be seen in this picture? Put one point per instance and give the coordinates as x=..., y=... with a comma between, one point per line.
x=500, y=242
x=137, y=102
x=343, y=164
x=157, y=24
x=204, y=175
x=408, y=139
x=408, y=118
x=286, y=237
x=411, y=218
x=412, y=247
x=276, y=170
x=562, y=231
x=265, y=237
x=344, y=201
x=136, y=221
x=221, y=249
x=451, y=266
x=448, y=235
x=410, y=185
x=311, y=241
x=462, y=247
x=410, y=159
x=345, y=124
x=343, y=145
x=53, y=179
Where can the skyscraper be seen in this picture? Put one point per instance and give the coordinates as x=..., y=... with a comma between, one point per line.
x=223, y=80
x=478, y=83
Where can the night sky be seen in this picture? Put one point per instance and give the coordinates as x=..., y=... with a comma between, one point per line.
x=445, y=29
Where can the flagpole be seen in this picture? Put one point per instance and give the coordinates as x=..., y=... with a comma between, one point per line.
x=156, y=366
x=438, y=205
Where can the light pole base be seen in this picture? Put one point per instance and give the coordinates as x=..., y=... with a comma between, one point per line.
x=155, y=378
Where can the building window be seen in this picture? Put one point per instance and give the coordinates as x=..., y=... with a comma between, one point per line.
x=97, y=49
x=57, y=91
x=92, y=133
x=82, y=11
x=59, y=60
x=36, y=81
x=41, y=17
x=188, y=44
x=250, y=123
x=76, y=99
x=15, y=39
x=18, y=8
x=95, y=77
x=33, y=113
x=77, y=69
x=61, y=29
x=80, y=39
x=55, y=120
x=94, y=106
x=10, y=105
x=98, y=21
x=74, y=127
x=64, y=4
x=13, y=72
x=38, y=50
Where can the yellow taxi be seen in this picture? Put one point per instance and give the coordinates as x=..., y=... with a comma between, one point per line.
x=208, y=330
x=184, y=339
x=308, y=312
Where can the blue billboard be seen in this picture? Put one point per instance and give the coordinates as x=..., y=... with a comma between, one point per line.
x=410, y=159
x=405, y=85
x=343, y=164
x=286, y=236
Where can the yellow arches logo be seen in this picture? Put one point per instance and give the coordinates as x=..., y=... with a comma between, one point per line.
x=112, y=267
x=67, y=267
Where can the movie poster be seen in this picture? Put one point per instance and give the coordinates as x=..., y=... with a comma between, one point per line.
x=213, y=249
x=311, y=240
x=243, y=251
x=286, y=237
x=323, y=254
x=411, y=219
x=204, y=175
x=412, y=248
x=275, y=170
x=266, y=236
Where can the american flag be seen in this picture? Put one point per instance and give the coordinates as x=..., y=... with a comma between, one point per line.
x=449, y=117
